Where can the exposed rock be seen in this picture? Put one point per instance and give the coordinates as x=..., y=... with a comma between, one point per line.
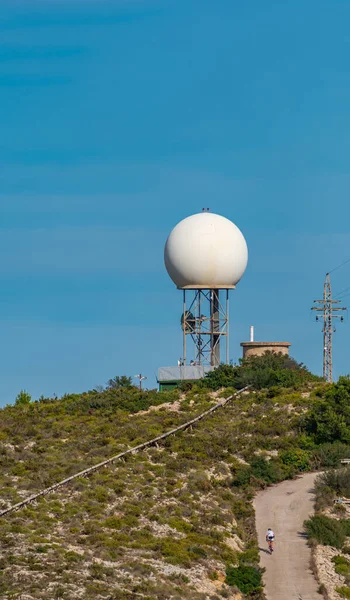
x=267, y=454
x=240, y=459
x=325, y=570
x=235, y=543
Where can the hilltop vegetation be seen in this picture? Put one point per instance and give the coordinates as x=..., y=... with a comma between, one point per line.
x=266, y=371
x=172, y=522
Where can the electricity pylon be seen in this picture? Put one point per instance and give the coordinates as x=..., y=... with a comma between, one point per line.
x=329, y=312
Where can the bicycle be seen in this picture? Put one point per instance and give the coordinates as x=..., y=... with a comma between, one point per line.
x=270, y=545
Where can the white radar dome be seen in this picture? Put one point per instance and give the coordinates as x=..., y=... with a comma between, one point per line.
x=206, y=251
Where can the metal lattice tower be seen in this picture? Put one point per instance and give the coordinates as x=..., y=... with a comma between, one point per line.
x=206, y=321
x=329, y=312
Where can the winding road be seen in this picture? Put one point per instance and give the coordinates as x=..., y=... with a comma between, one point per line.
x=284, y=508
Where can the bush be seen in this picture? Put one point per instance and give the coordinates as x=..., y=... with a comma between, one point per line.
x=247, y=579
x=343, y=591
x=23, y=398
x=124, y=398
x=342, y=564
x=330, y=454
x=242, y=477
x=345, y=523
x=113, y=523
x=328, y=532
x=336, y=480
x=120, y=381
x=265, y=470
x=296, y=458
x=267, y=371
x=260, y=472
x=329, y=418
x=250, y=556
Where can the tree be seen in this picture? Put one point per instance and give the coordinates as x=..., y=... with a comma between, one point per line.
x=329, y=418
x=23, y=398
x=119, y=381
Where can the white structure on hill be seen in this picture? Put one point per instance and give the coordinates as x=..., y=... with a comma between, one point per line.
x=205, y=256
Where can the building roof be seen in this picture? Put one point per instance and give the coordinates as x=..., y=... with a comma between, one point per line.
x=262, y=344
x=183, y=373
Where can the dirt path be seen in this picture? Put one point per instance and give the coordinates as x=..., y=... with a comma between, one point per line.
x=284, y=508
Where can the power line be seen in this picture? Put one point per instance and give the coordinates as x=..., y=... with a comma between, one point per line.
x=329, y=312
x=338, y=267
x=344, y=296
x=342, y=292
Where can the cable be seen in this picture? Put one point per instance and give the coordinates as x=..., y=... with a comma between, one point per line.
x=338, y=267
x=345, y=296
x=342, y=291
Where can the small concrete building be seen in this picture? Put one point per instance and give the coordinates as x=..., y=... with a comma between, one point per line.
x=259, y=348
x=169, y=378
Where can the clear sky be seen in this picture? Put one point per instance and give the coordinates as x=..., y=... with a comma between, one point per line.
x=120, y=118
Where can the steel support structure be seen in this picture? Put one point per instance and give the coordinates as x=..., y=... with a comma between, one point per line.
x=328, y=311
x=205, y=320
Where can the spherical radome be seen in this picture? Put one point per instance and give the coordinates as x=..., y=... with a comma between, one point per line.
x=207, y=251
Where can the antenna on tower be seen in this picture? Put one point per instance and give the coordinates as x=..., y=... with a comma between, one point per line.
x=141, y=378
x=329, y=312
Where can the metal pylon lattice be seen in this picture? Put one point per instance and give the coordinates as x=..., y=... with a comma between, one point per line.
x=206, y=321
x=329, y=312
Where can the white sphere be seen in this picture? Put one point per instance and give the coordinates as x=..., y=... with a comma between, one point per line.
x=206, y=251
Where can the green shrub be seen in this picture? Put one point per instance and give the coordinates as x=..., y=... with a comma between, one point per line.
x=338, y=481
x=174, y=551
x=330, y=454
x=180, y=524
x=260, y=470
x=328, y=420
x=42, y=549
x=242, y=477
x=342, y=570
x=73, y=557
x=296, y=458
x=343, y=591
x=265, y=470
x=247, y=579
x=197, y=551
x=345, y=523
x=267, y=371
x=120, y=381
x=342, y=565
x=23, y=398
x=340, y=509
x=250, y=556
x=328, y=532
x=113, y=523
x=242, y=508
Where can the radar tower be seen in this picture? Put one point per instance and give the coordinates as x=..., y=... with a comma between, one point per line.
x=205, y=255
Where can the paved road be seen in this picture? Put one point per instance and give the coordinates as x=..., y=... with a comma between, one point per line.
x=284, y=508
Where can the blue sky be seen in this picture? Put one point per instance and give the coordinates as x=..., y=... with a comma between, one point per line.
x=120, y=118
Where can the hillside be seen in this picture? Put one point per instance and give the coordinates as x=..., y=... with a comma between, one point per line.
x=171, y=522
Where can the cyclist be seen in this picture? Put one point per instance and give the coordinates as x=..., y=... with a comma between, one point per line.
x=270, y=538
